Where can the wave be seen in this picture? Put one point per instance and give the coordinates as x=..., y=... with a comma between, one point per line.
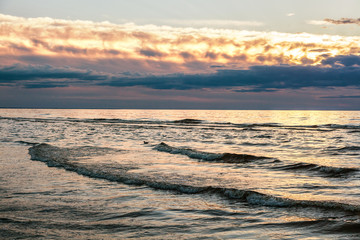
x=263, y=136
x=47, y=151
x=347, y=149
x=275, y=164
x=341, y=126
x=242, y=126
x=309, y=128
x=327, y=226
x=64, y=158
x=206, y=156
x=320, y=128
x=255, y=198
x=26, y=143
x=329, y=171
x=85, y=120
x=251, y=129
x=188, y=121
x=256, y=144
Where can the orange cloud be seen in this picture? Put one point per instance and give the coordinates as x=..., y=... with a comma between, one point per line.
x=160, y=49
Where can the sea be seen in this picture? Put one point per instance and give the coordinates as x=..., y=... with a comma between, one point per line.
x=179, y=174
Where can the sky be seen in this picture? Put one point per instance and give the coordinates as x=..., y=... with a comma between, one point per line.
x=185, y=54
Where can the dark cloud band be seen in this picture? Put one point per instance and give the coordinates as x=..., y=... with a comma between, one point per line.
x=339, y=71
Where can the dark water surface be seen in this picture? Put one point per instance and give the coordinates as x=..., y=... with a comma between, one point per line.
x=179, y=174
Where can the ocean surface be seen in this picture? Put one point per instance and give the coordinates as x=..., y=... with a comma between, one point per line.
x=179, y=174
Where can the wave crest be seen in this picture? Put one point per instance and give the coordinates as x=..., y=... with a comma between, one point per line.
x=206, y=156
x=188, y=121
x=329, y=171
x=276, y=164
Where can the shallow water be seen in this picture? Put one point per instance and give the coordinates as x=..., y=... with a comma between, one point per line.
x=179, y=174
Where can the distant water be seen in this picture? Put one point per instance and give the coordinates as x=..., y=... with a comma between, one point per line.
x=179, y=174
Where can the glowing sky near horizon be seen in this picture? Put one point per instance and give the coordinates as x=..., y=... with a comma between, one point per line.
x=183, y=54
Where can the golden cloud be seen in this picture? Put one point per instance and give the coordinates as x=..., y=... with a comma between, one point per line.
x=180, y=49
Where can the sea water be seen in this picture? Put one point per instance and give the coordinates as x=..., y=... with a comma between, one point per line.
x=179, y=174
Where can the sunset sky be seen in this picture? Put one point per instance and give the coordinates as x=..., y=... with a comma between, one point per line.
x=201, y=54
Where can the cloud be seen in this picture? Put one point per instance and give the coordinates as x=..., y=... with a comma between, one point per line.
x=329, y=21
x=341, y=71
x=151, y=53
x=290, y=14
x=159, y=49
x=46, y=76
x=257, y=79
x=350, y=60
x=343, y=21
x=102, y=54
x=281, y=87
x=44, y=85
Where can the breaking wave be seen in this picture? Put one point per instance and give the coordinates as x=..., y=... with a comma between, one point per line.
x=206, y=156
x=67, y=158
x=245, y=158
